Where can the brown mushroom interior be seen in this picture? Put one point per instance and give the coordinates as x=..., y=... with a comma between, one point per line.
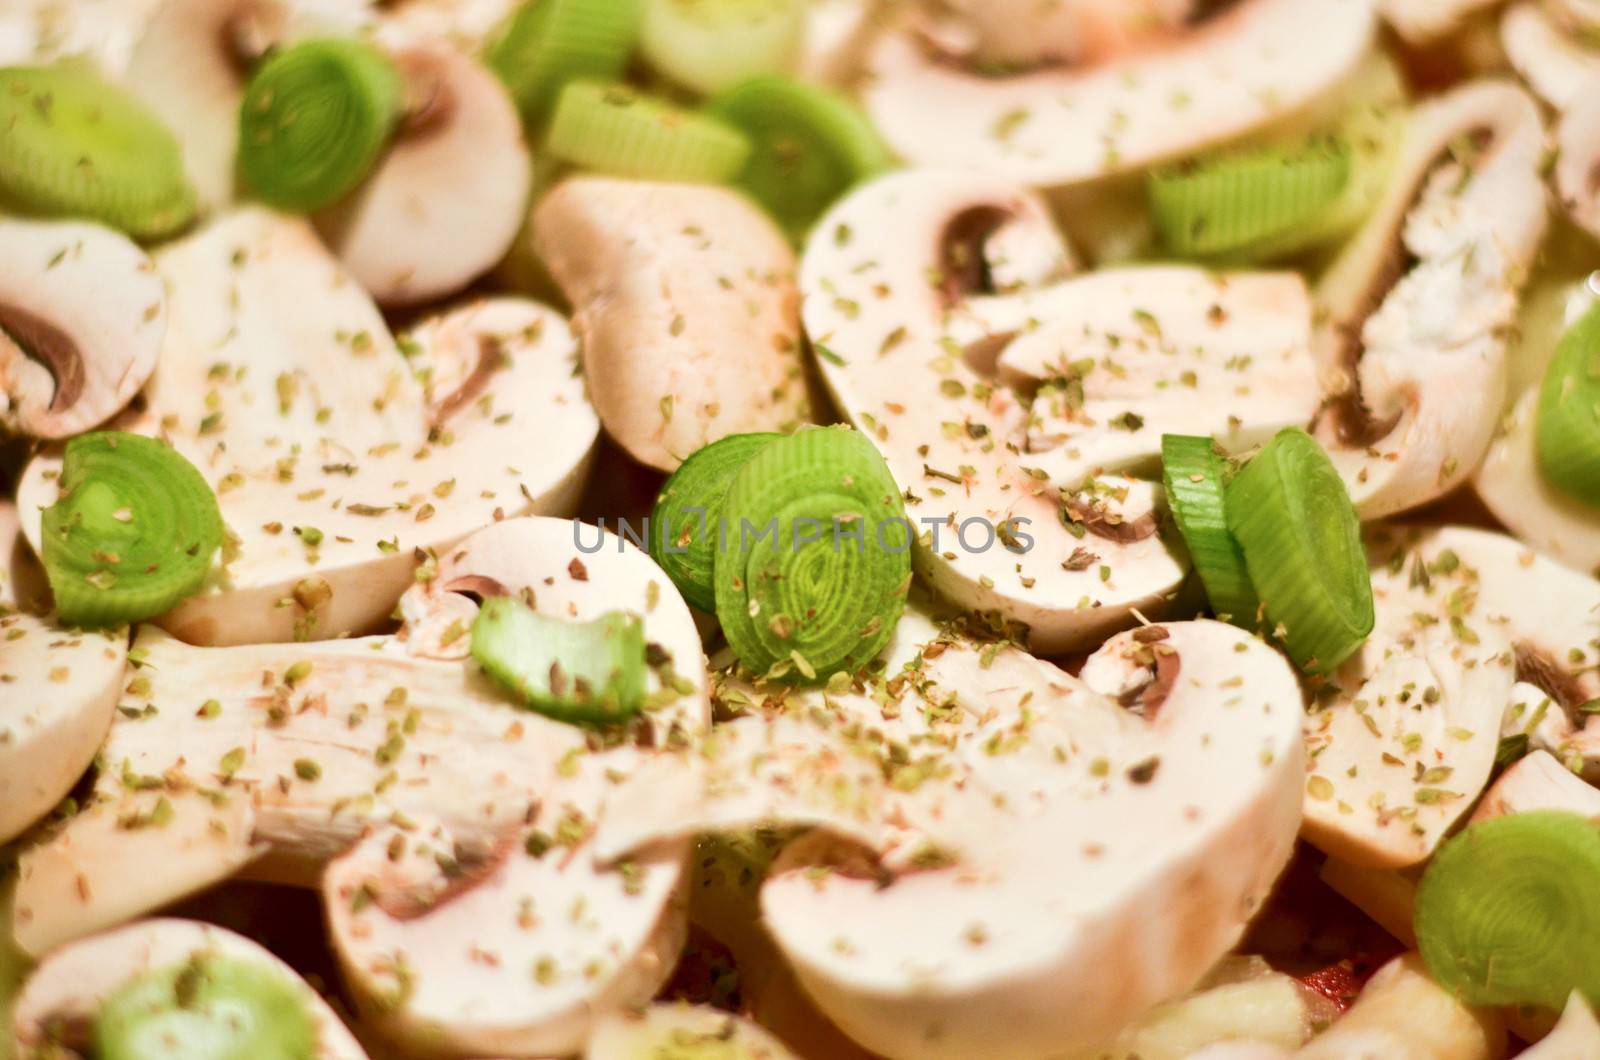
x=44, y=342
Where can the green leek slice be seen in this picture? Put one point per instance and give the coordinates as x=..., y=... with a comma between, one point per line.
x=810, y=146
x=315, y=119
x=73, y=145
x=1567, y=434
x=1195, y=478
x=1505, y=913
x=814, y=574
x=132, y=533
x=582, y=673
x=547, y=43
x=1289, y=511
x=617, y=130
x=210, y=1008
x=683, y=524
x=708, y=45
x=1226, y=203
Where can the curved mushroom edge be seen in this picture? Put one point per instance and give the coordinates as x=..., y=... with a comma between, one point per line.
x=394, y=774
x=345, y=460
x=942, y=781
x=684, y=298
x=1415, y=313
x=1255, y=63
x=1477, y=637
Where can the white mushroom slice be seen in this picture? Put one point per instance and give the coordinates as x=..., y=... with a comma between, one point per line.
x=1576, y=1035
x=837, y=35
x=1242, y=999
x=689, y=1030
x=121, y=858
x=1159, y=350
x=1258, y=61
x=22, y=582
x=684, y=298
x=192, y=60
x=963, y=939
x=1402, y=1014
x=56, y=1011
x=448, y=197
x=1578, y=164
x=466, y=24
x=1422, y=21
x=57, y=692
x=1512, y=485
x=1405, y=740
x=335, y=456
x=1538, y=781
x=82, y=315
x=1024, y=33
x=511, y=954
x=328, y=742
x=101, y=31
x=895, y=306
x=1557, y=64
x=1418, y=382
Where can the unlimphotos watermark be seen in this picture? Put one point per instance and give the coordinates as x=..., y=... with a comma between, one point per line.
x=973, y=535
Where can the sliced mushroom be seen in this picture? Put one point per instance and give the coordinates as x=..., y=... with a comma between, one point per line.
x=333, y=753
x=1388, y=896
x=1578, y=164
x=1005, y=910
x=528, y=937
x=191, y=63
x=1405, y=737
x=913, y=286
x=82, y=316
x=1575, y=1036
x=448, y=197
x=337, y=454
x=1423, y=21
x=101, y=31
x=672, y=1029
x=1023, y=33
x=59, y=687
x=838, y=35
x=1403, y=1014
x=56, y=1012
x=465, y=24
x=1417, y=309
x=1255, y=62
x=684, y=298
x=1139, y=352
x=1556, y=63
x=22, y=582
x=1538, y=782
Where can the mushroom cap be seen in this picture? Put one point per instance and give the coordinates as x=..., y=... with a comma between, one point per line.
x=597, y=935
x=1005, y=912
x=315, y=757
x=890, y=344
x=1407, y=742
x=1557, y=64
x=90, y=312
x=1402, y=1012
x=1423, y=21
x=1256, y=62
x=684, y=297
x=1418, y=382
x=448, y=197
x=668, y=1028
x=68, y=989
x=1538, y=781
x=1578, y=163
x=60, y=689
x=318, y=422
